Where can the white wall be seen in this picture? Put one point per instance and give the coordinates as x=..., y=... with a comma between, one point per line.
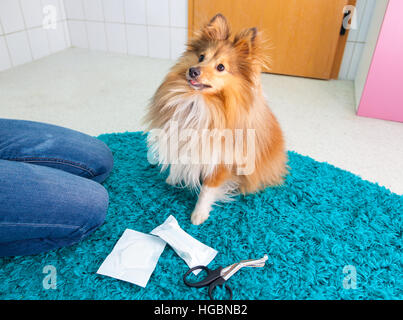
x=356, y=40
x=22, y=36
x=155, y=28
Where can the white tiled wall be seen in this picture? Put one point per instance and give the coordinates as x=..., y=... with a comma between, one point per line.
x=22, y=36
x=155, y=28
x=356, y=40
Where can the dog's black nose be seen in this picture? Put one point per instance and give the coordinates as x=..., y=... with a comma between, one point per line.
x=194, y=72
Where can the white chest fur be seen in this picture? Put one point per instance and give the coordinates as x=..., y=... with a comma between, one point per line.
x=177, y=144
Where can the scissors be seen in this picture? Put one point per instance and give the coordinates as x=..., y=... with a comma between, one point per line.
x=220, y=275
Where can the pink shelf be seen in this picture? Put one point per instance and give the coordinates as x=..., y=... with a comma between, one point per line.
x=383, y=92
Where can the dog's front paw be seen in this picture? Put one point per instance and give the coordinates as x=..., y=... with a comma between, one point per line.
x=198, y=217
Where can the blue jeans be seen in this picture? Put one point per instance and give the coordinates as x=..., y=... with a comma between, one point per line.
x=50, y=191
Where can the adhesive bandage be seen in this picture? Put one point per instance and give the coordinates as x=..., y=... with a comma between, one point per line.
x=133, y=258
x=192, y=251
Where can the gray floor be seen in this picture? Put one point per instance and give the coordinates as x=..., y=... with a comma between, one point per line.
x=102, y=92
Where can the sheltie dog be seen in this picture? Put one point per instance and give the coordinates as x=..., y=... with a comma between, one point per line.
x=209, y=123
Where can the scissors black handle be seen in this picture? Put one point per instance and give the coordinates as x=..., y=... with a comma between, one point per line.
x=213, y=279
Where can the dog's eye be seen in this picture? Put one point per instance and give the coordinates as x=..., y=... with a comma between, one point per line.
x=220, y=67
x=201, y=58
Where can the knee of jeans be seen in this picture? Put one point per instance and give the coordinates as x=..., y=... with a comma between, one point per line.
x=95, y=216
x=103, y=164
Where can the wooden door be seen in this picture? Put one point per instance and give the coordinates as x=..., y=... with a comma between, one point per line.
x=304, y=35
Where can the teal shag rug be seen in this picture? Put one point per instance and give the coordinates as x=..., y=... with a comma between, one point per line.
x=320, y=221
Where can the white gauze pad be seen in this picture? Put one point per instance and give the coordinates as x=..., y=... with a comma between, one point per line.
x=188, y=248
x=133, y=258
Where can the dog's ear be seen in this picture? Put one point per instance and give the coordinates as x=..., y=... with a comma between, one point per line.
x=246, y=41
x=217, y=28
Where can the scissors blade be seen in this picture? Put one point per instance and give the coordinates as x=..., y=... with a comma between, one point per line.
x=229, y=271
x=254, y=262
